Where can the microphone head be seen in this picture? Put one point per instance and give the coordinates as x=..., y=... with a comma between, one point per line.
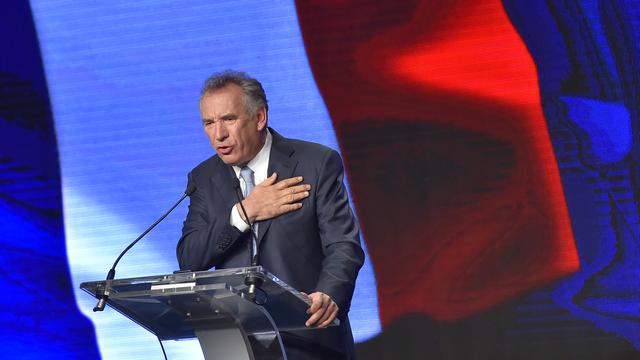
x=191, y=187
x=100, y=305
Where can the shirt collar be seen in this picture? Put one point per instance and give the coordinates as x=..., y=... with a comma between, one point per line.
x=260, y=162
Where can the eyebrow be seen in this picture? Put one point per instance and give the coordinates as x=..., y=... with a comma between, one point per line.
x=228, y=116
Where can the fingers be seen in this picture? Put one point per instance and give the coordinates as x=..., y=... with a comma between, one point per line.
x=294, y=194
x=287, y=208
x=294, y=197
x=298, y=188
x=323, y=310
x=316, y=302
x=271, y=199
x=289, y=198
x=329, y=317
x=283, y=184
x=317, y=311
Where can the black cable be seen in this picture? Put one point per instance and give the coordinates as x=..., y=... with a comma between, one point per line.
x=254, y=236
x=162, y=347
x=253, y=279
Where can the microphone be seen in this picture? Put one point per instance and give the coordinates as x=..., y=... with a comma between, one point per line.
x=253, y=279
x=103, y=295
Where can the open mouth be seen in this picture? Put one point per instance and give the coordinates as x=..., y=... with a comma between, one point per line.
x=224, y=150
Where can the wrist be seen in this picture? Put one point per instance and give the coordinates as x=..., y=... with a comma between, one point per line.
x=242, y=213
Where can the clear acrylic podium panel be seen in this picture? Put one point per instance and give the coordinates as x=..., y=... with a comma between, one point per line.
x=175, y=306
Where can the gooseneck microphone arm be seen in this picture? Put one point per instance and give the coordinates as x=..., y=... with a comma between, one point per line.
x=103, y=295
x=253, y=279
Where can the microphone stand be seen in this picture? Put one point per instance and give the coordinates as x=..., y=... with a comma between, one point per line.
x=103, y=294
x=254, y=279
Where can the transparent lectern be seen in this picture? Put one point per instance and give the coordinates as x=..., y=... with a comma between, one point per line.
x=212, y=306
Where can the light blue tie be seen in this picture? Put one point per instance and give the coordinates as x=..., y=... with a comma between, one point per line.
x=247, y=175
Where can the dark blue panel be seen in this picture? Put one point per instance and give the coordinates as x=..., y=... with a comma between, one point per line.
x=38, y=314
x=587, y=57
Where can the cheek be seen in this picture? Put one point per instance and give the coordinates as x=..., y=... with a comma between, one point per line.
x=211, y=135
x=237, y=137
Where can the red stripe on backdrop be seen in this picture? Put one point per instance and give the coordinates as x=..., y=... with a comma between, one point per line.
x=437, y=111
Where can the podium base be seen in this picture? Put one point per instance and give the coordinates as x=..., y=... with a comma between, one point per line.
x=227, y=340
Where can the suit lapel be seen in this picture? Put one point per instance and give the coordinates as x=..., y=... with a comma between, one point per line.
x=222, y=182
x=282, y=162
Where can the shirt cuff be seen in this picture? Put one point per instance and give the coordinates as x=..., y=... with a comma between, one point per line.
x=237, y=221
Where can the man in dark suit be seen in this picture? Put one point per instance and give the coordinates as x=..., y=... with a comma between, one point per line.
x=306, y=232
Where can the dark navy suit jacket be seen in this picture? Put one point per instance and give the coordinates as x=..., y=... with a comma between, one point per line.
x=315, y=248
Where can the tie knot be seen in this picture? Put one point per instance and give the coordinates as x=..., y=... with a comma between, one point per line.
x=246, y=173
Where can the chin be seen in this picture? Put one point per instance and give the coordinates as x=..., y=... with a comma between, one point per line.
x=226, y=159
x=229, y=162
x=232, y=162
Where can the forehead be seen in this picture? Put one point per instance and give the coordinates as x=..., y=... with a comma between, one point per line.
x=227, y=99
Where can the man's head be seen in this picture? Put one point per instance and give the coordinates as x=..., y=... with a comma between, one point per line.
x=233, y=107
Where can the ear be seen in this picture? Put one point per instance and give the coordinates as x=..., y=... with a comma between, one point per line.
x=262, y=118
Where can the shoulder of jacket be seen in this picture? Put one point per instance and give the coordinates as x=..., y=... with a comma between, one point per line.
x=207, y=167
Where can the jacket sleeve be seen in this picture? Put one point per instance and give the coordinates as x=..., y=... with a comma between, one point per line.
x=207, y=236
x=339, y=234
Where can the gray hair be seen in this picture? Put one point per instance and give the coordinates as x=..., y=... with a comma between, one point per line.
x=254, y=95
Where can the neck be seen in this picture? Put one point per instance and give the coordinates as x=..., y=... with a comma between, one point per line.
x=262, y=141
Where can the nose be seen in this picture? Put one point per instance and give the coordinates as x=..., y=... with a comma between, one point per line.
x=221, y=132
